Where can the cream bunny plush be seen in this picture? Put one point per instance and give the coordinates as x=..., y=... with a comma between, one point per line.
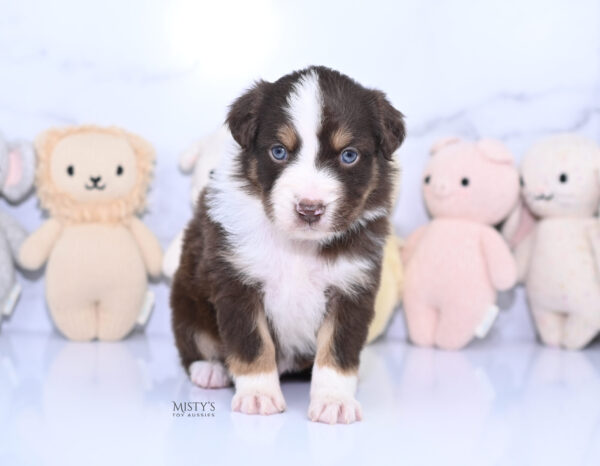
x=17, y=168
x=200, y=160
x=457, y=262
x=558, y=260
x=93, y=180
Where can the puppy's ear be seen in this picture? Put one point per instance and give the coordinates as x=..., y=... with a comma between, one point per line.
x=242, y=118
x=391, y=126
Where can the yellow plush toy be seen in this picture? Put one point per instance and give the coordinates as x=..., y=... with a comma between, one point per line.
x=93, y=180
x=390, y=288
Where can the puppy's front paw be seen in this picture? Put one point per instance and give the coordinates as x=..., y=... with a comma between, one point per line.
x=258, y=403
x=258, y=394
x=332, y=409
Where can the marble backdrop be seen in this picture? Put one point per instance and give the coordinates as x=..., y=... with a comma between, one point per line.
x=513, y=70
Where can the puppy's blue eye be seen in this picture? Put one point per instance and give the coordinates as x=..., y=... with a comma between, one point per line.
x=279, y=152
x=349, y=156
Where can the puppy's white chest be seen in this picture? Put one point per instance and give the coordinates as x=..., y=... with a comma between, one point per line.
x=294, y=280
x=295, y=302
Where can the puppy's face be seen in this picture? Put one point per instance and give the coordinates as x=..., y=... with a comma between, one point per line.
x=317, y=149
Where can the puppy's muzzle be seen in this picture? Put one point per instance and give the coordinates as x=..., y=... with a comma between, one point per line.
x=310, y=211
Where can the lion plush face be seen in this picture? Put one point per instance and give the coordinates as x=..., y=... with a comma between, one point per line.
x=94, y=167
x=93, y=174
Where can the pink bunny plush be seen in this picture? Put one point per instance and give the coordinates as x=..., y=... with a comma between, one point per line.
x=457, y=262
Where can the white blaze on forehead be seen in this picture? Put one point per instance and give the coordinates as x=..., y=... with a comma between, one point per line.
x=305, y=111
x=301, y=178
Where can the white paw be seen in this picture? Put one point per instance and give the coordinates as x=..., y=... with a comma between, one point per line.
x=209, y=374
x=258, y=394
x=332, y=409
x=258, y=403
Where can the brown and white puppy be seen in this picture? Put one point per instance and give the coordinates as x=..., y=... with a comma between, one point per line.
x=281, y=262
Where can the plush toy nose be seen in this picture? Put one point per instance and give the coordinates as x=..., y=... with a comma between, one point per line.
x=540, y=190
x=310, y=210
x=95, y=179
x=441, y=189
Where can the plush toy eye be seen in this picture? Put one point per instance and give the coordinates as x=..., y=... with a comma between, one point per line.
x=427, y=179
x=279, y=152
x=349, y=156
x=119, y=170
x=465, y=182
x=70, y=170
x=563, y=178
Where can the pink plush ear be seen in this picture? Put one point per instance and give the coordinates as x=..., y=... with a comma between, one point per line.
x=20, y=171
x=441, y=143
x=518, y=225
x=495, y=151
x=15, y=169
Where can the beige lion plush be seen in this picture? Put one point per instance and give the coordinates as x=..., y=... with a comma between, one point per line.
x=92, y=181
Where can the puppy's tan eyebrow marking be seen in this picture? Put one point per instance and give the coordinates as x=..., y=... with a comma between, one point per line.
x=288, y=137
x=340, y=138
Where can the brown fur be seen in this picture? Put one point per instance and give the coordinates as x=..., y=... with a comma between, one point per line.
x=200, y=283
x=341, y=138
x=264, y=362
x=288, y=137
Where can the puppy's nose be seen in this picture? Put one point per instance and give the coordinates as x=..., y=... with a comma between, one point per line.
x=310, y=211
x=95, y=179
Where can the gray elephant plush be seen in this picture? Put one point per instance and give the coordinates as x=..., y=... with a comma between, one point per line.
x=17, y=172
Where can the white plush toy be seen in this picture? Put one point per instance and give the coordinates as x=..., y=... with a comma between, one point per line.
x=200, y=160
x=559, y=258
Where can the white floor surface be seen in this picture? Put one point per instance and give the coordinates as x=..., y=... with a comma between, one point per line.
x=113, y=403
